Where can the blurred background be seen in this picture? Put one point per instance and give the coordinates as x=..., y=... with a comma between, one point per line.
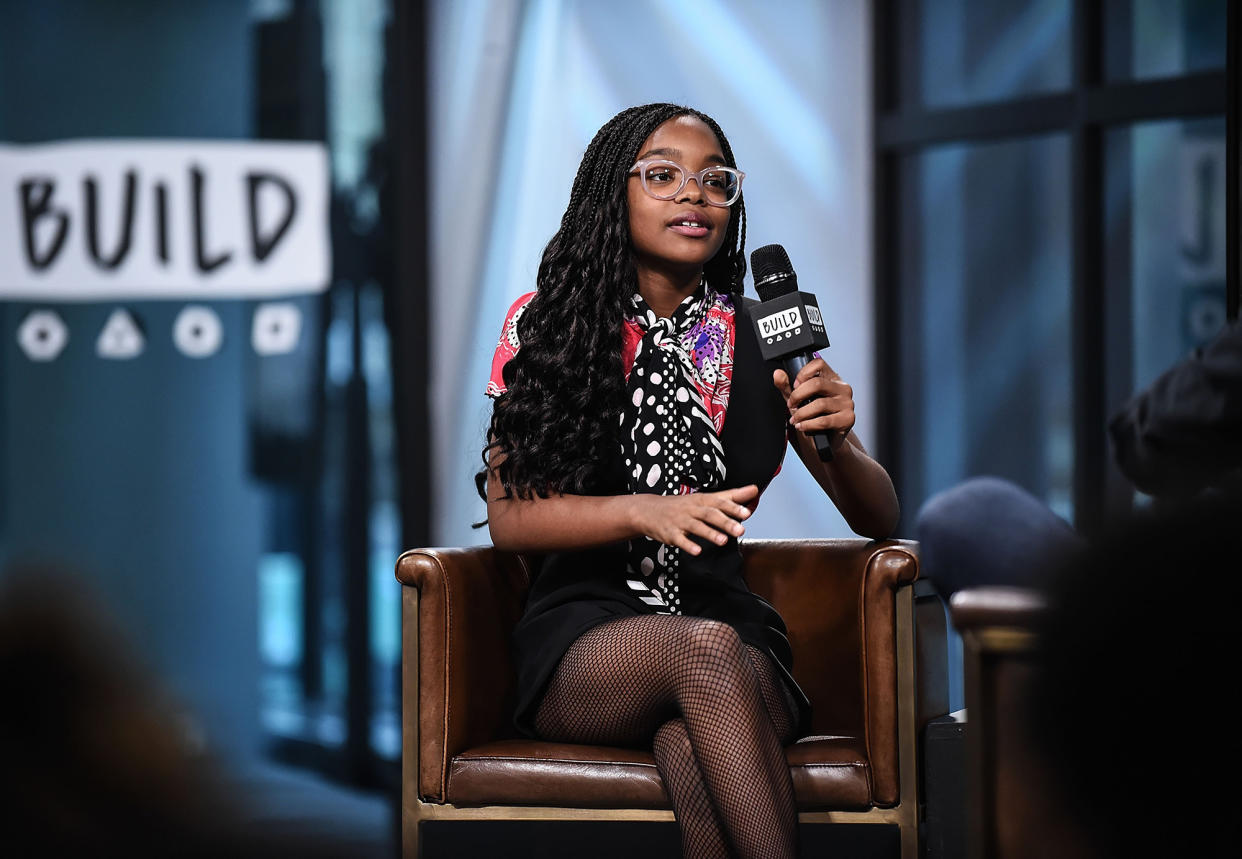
x=1014, y=213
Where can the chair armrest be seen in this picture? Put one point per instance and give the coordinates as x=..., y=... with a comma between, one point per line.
x=890, y=567
x=997, y=607
x=458, y=609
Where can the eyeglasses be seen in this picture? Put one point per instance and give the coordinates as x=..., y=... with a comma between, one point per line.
x=664, y=180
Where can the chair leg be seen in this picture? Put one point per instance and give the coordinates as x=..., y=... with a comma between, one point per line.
x=910, y=837
x=409, y=834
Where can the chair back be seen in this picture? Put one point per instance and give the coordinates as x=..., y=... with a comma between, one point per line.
x=823, y=611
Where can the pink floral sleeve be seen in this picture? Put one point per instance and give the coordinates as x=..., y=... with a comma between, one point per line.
x=508, y=345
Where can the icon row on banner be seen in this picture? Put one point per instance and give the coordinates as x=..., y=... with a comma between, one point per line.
x=197, y=333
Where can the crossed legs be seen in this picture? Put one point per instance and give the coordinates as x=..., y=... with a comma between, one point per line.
x=714, y=710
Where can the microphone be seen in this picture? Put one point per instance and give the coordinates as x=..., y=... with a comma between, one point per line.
x=787, y=322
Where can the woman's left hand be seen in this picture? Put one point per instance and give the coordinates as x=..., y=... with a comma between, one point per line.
x=818, y=400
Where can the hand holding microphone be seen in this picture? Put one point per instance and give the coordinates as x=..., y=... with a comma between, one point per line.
x=826, y=410
x=790, y=328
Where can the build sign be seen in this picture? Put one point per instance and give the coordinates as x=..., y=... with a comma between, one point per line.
x=174, y=219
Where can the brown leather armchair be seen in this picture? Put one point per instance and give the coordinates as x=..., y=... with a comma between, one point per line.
x=849, y=607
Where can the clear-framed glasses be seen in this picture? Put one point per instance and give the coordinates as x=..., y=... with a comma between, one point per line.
x=664, y=180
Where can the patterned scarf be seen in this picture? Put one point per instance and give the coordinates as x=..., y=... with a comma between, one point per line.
x=669, y=441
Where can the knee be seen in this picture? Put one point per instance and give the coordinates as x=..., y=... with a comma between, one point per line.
x=947, y=527
x=714, y=640
x=712, y=649
x=956, y=511
x=985, y=531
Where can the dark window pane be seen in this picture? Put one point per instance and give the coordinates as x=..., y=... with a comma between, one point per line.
x=971, y=51
x=1166, y=244
x=1163, y=38
x=985, y=319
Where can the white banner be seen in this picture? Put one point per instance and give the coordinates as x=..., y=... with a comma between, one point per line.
x=129, y=219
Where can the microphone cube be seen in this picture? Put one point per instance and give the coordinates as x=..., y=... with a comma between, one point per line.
x=789, y=324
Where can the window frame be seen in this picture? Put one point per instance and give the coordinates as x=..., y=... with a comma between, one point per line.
x=1086, y=111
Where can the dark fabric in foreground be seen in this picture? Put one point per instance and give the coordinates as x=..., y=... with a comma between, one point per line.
x=1184, y=432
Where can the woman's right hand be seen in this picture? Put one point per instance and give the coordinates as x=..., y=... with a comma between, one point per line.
x=673, y=519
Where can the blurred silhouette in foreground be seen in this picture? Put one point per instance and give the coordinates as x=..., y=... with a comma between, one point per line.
x=97, y=759
x=1099, y=717
x=1128, y=704
x=93, y=756
x=1179, y=437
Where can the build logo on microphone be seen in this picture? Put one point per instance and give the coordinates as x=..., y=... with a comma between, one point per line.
x=781, y=325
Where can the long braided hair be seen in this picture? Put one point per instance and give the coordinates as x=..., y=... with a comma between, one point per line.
x=556, y=430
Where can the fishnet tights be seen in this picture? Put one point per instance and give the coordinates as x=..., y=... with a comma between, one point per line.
x=715, y=710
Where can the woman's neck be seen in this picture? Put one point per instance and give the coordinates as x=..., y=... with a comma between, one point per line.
x=665, y=291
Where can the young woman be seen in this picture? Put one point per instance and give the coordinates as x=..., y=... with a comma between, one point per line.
x=634, y=426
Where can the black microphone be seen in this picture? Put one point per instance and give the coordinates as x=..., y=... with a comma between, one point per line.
x=787, y=322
